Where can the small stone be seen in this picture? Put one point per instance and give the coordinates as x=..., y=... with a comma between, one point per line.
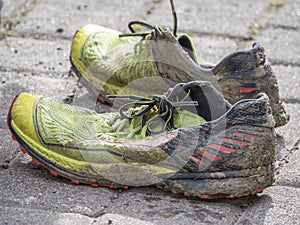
x=59, y=30
x=110, y=221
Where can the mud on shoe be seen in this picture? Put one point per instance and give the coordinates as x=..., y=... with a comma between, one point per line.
x=189, y=140
x=149, y=62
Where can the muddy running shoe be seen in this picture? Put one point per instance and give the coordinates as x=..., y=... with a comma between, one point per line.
x=189, y=140
x=146, y=63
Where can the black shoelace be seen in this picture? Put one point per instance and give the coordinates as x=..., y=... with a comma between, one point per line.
x=155, y=31
x=165, y=105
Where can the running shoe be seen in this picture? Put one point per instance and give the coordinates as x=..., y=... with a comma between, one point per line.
x=147, y=62
x=189, y=140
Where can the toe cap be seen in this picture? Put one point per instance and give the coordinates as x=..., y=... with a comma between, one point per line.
x=21, y=115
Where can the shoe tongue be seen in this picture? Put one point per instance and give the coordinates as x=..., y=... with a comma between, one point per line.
x=188, y=46
x=211, y=104
x=183, y=106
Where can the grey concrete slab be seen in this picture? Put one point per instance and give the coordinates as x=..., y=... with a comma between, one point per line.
x=288, y=15
x=278, y=205
x=289, y=82
x=63, y=18
x=30, y=187
x=33, y=55
x=290, y=173
x=233, y=18
x=166, y=208
x=8, y=149
x=285, y=207
x=10, y=9
x=13, y=83
x=291, y=131
x=282, y=46
x=212, y=49
x=19, y=215
x=15, y=215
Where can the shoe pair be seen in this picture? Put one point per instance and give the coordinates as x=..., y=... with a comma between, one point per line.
x=188, y=139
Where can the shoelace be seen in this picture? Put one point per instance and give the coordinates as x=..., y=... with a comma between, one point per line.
x=163, y=104
x=155, y=31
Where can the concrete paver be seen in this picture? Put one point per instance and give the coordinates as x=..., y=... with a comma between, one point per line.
x=212, y=49
x=289, y=88
x=10, y=9
x=281, y=45
x=288, y=15
x=59, y=218
x=19, y=50
x=291, y=132
x=204, y=16
x=278, y=205
x=35, y=189
x=290, y=173
x=163, y=208
x=35, y=45
x=63, y=18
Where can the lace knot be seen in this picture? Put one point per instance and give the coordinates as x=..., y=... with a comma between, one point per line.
x=164, y=105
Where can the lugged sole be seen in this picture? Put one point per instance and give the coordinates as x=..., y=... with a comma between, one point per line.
x=216, y=188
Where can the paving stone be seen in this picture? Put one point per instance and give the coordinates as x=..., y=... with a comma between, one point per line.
x=118, y=219
x=211, y=17
x=166, y=208
x=63, y=18
x=19, y=215
x=8, y=217
x=10, y=9
x=288, y=15
x=8, y=149
x=30, y=187
x=13, y=83
x=281, y=45
x=289, y=82
x=278, y=205
x=291, y=132
x=290, y=173
x=35, y=55
x=213, y=49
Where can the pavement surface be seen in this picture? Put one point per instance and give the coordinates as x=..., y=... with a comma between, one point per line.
x=35, y=39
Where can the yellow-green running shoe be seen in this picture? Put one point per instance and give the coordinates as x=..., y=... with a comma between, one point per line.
x=188, y=140
x=148, y=62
